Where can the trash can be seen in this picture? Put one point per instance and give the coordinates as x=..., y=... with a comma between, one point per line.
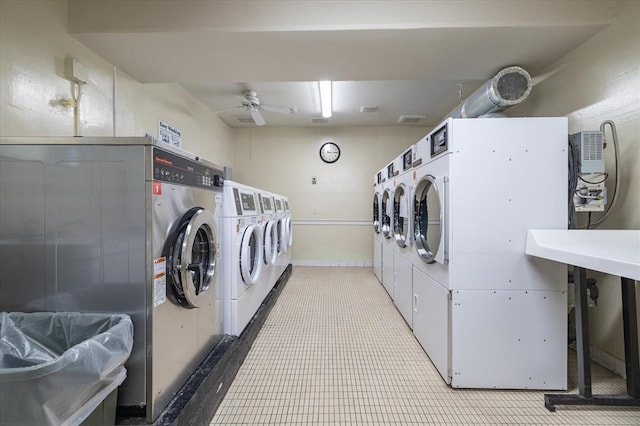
x=57, y=368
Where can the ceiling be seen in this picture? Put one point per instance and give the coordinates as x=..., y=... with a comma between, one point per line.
x=404, y=57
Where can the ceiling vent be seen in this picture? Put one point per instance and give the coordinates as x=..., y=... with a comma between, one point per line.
x=410, y=118
x=319, y=120
x=368, y=109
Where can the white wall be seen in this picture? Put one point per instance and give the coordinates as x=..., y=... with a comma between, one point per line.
x=600, y=81
x=284, y=160
x=33, y=45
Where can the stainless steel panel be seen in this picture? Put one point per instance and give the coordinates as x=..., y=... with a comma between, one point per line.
x=72, y=236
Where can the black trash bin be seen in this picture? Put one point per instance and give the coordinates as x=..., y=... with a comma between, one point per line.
x=57, y=368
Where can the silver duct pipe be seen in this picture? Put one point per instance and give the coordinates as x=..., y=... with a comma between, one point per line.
x=508, y=87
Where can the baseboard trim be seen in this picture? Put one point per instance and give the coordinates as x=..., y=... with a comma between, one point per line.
x=360, y=263
x=609, y=362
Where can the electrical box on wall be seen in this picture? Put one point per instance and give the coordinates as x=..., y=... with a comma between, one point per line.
x=591, y=193
x=590, y=147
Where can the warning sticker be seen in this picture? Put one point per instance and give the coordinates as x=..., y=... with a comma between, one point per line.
x=159, y=280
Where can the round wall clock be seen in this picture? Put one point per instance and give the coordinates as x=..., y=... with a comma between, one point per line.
x=329, y=152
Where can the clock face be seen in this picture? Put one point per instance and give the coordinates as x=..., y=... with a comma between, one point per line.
x=329, y=152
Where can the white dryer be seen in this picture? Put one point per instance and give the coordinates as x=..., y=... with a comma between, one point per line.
x=402, y=236
x=386, y=225
x=488, y=316
x=242, y=256
x=377, y=226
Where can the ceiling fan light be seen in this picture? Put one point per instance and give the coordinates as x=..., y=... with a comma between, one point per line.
x=325, y=97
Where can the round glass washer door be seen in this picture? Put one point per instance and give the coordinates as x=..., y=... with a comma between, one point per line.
x=401, y=217
x=279, y=237
x=191, y=257
x=427, y=219
x=270, y=243
x=386, y=213
x=283, y=235
x=289, y=232
x=376, y=213
x=251, y=254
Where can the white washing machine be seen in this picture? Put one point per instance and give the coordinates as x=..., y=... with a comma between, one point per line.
x=376, y=223
x=281, y=262
x=402, y=236
x=288, y=230
x=242, y=256
x=269, y=239
x=487, y=315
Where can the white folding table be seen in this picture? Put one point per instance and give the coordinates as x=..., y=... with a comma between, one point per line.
x=615, y=252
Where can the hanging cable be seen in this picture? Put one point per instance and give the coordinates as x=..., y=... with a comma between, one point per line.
x=573, y=183
x=76, y=107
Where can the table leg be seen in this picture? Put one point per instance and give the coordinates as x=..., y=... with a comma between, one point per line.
x=583, y=341
x=630, y=323
x=632, y=363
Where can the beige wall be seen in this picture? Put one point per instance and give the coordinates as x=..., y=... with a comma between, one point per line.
x=33, y=45
x=601, y=81
x=284, y=160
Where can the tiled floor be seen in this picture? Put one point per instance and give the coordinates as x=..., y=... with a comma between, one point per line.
x=334, y=350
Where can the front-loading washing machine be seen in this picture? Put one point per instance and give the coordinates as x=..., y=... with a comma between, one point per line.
x=288, y=228
x=283, y=247
x=243, y=263
x=402, y=236
x=116, y=225
x=269, y=239
x=488, y=316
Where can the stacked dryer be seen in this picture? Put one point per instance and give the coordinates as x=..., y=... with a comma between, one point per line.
x=487, y=315
x=377, y=226
x=386, y=224
x=402, y=236
x=242, y=256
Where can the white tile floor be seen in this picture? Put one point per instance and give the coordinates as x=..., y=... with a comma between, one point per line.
x=335, y=350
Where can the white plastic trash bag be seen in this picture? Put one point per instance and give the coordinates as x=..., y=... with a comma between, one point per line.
x=56, y=368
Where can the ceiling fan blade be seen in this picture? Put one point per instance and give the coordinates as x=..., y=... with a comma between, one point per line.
x=257, y=117
x=229, y=109
x=278, y=109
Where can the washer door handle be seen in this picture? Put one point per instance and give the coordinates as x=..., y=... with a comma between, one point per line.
x=198, y=270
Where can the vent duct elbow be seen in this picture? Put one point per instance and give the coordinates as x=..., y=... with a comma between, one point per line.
x=508, y=87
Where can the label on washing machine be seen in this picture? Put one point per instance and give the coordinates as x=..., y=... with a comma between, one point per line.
x=159, y=281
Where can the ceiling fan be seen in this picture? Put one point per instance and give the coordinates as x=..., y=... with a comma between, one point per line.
x=251, y=103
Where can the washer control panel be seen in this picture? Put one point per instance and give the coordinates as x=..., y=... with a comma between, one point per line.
x=172, y=168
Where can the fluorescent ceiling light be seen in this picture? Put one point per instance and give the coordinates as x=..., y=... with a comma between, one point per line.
x=325, y=98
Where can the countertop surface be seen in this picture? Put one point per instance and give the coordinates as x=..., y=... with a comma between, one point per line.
x=615, y=252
